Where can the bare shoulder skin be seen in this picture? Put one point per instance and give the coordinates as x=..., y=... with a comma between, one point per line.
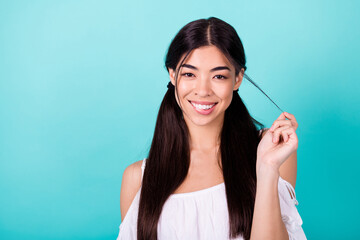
x=130, y=185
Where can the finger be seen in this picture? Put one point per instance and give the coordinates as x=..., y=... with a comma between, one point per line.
x=292, y=118
x=288, y=115
x=280, y=123
x=281, y=117
x=291, y=135
x=277, y=133
x=285, y=136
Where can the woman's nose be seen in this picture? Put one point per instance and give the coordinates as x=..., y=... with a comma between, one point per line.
x=203, y=87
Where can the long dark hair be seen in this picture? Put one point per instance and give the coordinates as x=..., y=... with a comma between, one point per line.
x=169, y=157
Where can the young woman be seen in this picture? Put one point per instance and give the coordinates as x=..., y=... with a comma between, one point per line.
x=210, y=172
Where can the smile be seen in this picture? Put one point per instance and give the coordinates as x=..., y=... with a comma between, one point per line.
x=205, y=108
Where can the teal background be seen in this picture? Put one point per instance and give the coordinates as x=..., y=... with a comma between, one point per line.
x=81, y=83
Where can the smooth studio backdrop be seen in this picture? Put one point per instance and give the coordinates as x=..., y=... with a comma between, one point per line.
x=81, y=83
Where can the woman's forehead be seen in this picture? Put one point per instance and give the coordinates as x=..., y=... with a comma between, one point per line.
x=206, y=58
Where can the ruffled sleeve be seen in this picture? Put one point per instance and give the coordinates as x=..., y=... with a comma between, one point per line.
x=289, y=212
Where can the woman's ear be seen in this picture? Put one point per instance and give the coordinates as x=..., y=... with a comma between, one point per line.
x=172, y=76
x=238, y=79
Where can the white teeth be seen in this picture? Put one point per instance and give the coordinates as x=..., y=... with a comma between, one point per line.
x=205, y=107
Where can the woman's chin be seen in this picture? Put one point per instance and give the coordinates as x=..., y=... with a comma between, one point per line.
x=201, y=121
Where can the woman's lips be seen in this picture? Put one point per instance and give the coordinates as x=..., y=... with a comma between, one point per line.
x=203, y=108
x=202, y=103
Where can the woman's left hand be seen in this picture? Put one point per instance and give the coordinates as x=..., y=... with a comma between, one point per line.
x=278, y=143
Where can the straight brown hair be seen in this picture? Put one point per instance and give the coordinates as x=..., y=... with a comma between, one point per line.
x=168, y=160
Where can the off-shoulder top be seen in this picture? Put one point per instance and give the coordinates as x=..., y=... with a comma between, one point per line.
x=203, y=214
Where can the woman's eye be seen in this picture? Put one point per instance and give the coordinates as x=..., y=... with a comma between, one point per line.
x=187, y=74
x=192, y=75
x=220, y=76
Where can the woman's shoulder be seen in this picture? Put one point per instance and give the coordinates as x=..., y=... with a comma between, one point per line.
x=130, y=185
x=133, y=172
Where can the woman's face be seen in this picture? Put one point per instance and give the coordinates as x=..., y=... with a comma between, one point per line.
x=205, y=86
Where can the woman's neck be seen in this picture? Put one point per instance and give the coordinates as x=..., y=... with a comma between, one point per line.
x=205, y=137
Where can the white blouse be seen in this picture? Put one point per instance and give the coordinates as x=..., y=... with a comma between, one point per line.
x=203, y=214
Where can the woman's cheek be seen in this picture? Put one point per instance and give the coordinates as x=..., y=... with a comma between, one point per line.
x=225, y=92
x=184, y=87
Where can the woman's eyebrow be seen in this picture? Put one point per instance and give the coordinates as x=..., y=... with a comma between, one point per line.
x=212, y=70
